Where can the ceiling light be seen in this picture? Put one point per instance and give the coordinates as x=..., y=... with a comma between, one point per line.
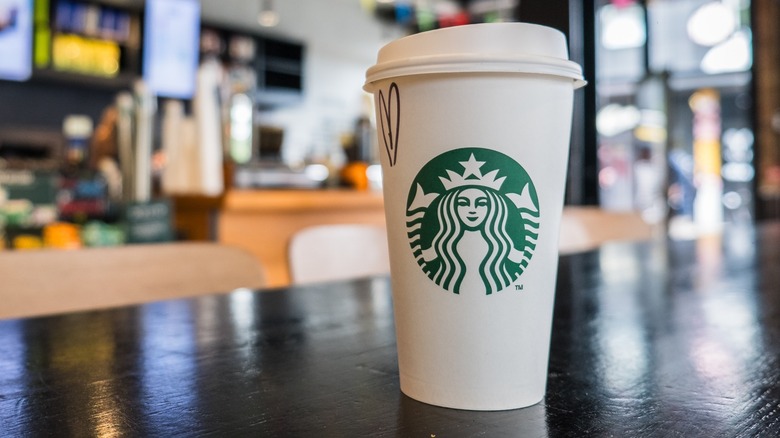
x=623, y=28
x=268, y=16
x=711, y=24
x=732, y=55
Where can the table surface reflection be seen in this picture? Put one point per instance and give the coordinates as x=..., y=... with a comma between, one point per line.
x=651, y=339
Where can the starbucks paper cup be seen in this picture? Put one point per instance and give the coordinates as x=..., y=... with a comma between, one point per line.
x=474, y=125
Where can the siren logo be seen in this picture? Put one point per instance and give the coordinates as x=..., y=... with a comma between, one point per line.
x=473, y=220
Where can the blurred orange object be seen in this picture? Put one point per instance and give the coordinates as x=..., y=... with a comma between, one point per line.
x=354, y=175
x=61, y=235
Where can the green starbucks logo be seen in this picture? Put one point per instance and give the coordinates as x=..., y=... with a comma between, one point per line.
x=473, y=220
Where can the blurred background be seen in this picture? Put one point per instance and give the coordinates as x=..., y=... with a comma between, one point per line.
x=138, y=121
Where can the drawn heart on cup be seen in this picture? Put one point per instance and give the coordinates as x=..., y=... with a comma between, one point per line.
x=390, y=118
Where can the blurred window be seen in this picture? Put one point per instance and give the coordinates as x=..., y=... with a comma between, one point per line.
x=660, y=151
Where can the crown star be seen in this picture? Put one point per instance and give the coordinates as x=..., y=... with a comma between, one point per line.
x=472, y=167
x=472, y=176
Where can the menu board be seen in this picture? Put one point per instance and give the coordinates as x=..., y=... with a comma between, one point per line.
x=15, y=39
x=171, y=38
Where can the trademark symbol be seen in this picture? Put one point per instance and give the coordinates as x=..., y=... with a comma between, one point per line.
x=518, y=287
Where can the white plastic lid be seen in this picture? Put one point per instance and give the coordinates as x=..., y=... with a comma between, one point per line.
x=493, y=47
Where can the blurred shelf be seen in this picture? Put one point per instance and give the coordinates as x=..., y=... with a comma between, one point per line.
x=50, y=76
x=136, y=5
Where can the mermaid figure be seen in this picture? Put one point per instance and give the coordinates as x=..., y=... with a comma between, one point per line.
x=472, y=244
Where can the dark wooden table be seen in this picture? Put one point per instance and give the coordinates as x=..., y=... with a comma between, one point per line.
x=670, y=339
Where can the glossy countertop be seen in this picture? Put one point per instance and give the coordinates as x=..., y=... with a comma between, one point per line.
x=649, y=340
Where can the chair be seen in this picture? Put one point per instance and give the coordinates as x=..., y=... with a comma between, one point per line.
x=585, y=228
x=335, y=252
x=55, y=281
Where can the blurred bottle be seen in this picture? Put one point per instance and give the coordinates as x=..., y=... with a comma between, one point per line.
x=77, y=130
x=239, y=111
x=358, y=151
x=145, y=110
x=82, y=191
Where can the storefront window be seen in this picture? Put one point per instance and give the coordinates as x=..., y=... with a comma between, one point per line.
x=674, y=121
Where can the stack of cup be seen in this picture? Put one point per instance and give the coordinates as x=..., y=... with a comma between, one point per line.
x=474, y=125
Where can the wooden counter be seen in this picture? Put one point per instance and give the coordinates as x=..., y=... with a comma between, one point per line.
x=264, y=221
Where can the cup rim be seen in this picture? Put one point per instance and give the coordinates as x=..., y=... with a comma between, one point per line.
x=478, y=48
x=475, y=63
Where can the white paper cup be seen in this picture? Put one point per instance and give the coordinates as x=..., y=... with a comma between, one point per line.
x=474, y=125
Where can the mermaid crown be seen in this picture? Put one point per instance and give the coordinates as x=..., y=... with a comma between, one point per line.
x=472, y=176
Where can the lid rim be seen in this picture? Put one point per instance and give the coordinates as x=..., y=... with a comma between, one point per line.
x=486, y=47
x=474, y=63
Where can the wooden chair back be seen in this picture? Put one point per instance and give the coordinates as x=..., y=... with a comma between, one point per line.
x=335, y=252
x=586, y=228
x=55, y=281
